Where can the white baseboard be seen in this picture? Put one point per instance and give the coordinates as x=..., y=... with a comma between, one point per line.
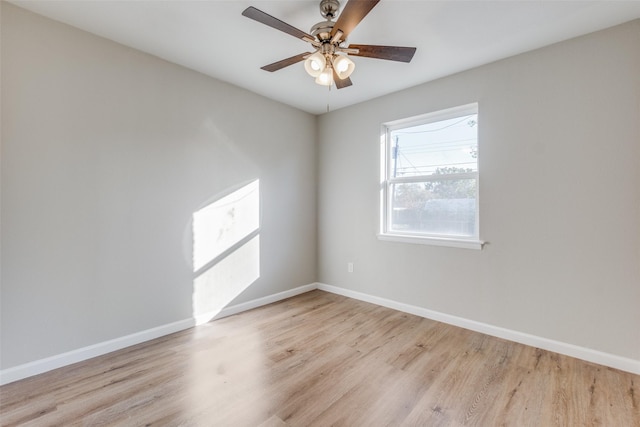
x=601, y=358
x=239, y=308
x=43, y=365
x=58, y=361
x=74, y=356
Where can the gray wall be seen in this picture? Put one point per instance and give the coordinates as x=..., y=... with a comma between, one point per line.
x=559, y=141
x=106, y=154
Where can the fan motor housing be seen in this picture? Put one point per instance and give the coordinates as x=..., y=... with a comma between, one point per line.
x=322, y=30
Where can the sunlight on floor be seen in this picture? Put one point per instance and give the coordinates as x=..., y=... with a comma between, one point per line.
x=227, y=380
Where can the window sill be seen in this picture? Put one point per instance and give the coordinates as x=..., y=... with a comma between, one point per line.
x=434, y=241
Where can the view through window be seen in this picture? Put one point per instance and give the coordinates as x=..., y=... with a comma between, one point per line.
x=430, y=182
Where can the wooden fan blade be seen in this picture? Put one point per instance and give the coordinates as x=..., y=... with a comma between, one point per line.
x=266, y=19
x=354, y=12
x=392, y=53
x=341, y=83
x=285, y=62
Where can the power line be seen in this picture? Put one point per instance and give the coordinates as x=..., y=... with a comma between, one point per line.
x=436, y=130
x=465, y=141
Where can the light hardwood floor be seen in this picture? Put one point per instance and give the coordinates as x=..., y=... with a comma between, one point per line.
x=320, y=359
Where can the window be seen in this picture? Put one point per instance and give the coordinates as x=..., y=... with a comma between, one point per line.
x=430, y=179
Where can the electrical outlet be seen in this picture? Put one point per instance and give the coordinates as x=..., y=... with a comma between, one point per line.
x=350, y=267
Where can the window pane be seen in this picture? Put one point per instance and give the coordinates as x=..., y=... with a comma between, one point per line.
x=445, y=146
x=440, y=207
x=430, y=176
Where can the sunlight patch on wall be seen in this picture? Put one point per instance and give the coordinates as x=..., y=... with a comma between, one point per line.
x=224, y=223
x=226, y=250
x=220, y=284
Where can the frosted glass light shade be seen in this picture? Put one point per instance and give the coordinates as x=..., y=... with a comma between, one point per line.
x=343, y=66
x=325, y=78
x=315, y=64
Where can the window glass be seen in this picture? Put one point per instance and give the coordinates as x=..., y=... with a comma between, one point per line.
x=430, y=182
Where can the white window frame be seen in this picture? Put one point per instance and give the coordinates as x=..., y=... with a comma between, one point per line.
x=472, y=242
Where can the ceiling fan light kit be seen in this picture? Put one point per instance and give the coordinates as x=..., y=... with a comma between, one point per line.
x=329, y=63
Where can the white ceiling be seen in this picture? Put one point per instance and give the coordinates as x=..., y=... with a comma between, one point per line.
x=212, y=37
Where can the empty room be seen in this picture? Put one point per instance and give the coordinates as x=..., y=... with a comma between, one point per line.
x=320, y=213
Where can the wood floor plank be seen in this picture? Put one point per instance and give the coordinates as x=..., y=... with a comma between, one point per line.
x=320, y=359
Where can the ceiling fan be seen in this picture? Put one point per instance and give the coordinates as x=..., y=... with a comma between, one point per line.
x=329, y=63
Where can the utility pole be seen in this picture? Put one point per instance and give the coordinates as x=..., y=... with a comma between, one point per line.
x=396, y=152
